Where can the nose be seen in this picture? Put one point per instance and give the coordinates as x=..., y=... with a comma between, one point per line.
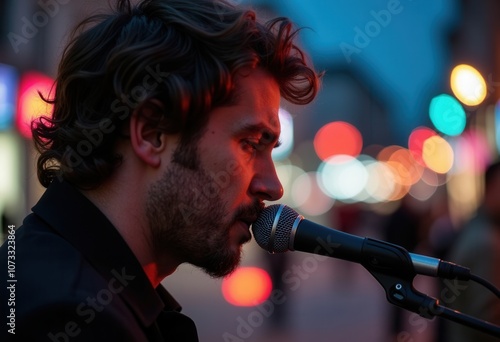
x=266, y=184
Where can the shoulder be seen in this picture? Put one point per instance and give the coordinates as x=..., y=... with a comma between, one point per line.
x=59, y=296
x=46, y=265
x=67, y=320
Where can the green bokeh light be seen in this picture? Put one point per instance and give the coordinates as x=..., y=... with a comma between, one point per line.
x=447, y=115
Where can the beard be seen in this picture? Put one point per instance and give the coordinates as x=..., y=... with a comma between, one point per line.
x=191, y=225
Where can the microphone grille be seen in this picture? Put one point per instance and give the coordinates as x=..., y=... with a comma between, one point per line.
x=262, y=228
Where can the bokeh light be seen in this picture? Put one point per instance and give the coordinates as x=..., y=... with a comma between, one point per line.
x=247, y=286
x=8, y=93
x=468, y=85
x=438, y=154
x=364, y=195
x=286, y=137
x=422, y=190
x=287, y=174
x=342, y=177
x=10, y=164
x=447, y=115
x=386, y=152
x=416, y=142
x=30, y=105
x=337, y=138
x=472, y=152
x=308, y=197
x=432, y=178
x=407, y=169
x=380, y=184
x=400, y=188
x=403, y=167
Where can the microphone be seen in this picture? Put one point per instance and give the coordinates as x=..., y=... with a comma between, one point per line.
x=279, y=228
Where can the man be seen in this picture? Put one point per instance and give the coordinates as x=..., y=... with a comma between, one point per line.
x=158, y=153
x=477, y=247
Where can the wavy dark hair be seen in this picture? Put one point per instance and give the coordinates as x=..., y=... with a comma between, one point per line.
x=182, y=53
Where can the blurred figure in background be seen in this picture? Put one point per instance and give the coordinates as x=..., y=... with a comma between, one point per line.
x=403, y=228
x=478, y=247
x=440, y=231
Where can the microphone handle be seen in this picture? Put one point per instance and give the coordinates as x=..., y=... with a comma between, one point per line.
x=314, y=238
x=375, y=255
x=310, y=237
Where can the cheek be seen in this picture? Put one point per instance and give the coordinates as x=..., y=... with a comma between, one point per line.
x=230, y=170
x=235, y=169
x=233, y=178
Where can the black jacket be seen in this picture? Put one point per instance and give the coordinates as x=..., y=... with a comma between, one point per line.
x=73, y=278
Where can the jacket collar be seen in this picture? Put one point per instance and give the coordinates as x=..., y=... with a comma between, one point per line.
x=80, y=222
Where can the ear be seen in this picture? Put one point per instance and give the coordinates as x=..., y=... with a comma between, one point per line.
x=147, y=139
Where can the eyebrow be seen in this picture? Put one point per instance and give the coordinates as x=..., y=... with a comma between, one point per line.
x=268, y=136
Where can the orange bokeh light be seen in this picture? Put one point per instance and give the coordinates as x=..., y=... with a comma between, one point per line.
x=247, y=286
x=405, y=170
x=385, y=153
x=409, y=171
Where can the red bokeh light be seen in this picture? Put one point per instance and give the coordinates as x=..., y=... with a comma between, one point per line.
x=416, y=142
x=247, y=286
x=337, y=138
x=30, y=106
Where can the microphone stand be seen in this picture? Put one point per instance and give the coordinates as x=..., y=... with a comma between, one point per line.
x=391, y=265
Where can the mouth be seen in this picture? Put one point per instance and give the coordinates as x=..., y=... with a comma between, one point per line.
x=245, y=229
x=244, y=224
x=248, y=221
x=252, y=214
x=247, y=218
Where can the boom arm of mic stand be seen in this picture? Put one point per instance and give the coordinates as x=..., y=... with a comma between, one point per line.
x=392, y=266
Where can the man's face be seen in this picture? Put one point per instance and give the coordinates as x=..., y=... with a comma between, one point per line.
x=202, y=216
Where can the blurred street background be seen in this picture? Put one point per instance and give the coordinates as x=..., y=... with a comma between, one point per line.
x=394, y=147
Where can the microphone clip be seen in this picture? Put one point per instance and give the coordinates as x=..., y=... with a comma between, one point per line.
x=392, y=267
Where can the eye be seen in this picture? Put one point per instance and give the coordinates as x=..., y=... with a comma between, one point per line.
x=250, y=145
x=278, y=144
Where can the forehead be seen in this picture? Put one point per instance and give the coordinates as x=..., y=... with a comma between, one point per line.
x=255, y=104
x=258, y=93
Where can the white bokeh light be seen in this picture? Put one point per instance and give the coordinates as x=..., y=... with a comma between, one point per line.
x=308, y=197
x=286, y=137
x=342, y=177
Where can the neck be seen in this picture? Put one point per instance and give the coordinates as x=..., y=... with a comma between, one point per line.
x=123, y=211
x=154, y=273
